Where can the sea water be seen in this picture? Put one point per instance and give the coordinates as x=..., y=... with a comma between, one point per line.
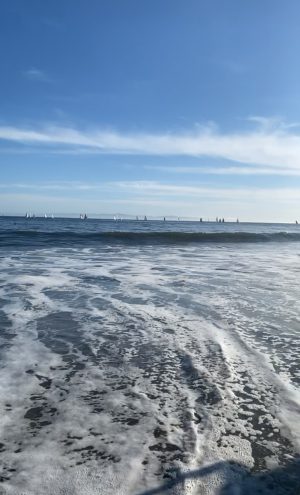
x=149, y=357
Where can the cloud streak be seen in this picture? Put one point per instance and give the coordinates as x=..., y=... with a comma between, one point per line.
x=34, y=74
x=251, y=170
x=275, y=147
x=147, y=189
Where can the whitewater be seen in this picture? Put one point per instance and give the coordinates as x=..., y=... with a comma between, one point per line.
x=140, y=358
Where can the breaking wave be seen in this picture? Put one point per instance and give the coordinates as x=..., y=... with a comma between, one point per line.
x=36, y=237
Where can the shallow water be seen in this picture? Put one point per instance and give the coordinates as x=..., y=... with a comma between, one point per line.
x=133, y=367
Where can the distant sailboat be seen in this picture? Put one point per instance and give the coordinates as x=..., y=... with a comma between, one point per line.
x=45, y=216
x=145, y=218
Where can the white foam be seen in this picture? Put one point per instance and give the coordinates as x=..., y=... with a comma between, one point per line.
x=168, y=369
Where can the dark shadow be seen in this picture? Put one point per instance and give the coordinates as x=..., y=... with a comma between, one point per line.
x=238, y=480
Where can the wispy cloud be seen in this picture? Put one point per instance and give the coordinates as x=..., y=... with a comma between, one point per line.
x=254, y=170
x=146, y=188
x=272, y=123
x=277, y=147
x=34, y=74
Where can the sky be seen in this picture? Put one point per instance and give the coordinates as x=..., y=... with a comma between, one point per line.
x=186, y=108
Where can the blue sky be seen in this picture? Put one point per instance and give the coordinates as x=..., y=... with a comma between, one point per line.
x=168, y=107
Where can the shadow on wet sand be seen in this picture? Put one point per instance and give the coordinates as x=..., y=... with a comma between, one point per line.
x=238, y=480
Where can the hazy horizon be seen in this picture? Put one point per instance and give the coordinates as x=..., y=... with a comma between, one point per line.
x=128, y=217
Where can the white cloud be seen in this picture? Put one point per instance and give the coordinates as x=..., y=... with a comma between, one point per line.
x=211, y=193
x=35, y=74
x=236, y=170
x=151, y=189
x=277, y=147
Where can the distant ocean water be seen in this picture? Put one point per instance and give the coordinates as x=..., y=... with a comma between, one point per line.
x=144, y=357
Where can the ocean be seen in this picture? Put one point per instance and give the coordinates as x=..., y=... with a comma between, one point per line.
x=148, y=357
